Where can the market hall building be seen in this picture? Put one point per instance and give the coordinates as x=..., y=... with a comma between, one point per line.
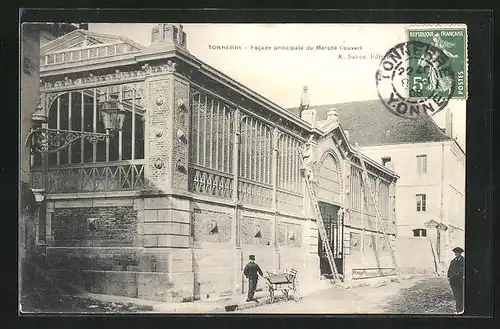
x=204, y=173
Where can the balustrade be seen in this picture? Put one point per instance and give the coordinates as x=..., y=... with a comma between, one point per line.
x=86, y=53
x=289, y=201
x=255, y=193
x=210, y=182
x=90, y=177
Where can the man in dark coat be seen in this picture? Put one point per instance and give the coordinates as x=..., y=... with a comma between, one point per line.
x=251, y=270
x=456, y=276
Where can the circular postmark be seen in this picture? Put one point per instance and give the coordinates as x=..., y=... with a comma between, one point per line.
x=415, y=79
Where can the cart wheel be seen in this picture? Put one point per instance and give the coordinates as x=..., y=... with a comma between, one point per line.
x=270, y=293
x=285, y=294
x=296, y=296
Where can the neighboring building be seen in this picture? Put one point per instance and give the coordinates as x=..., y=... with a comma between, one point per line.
x=431, y=166
x=32, y=36
x=204, y=173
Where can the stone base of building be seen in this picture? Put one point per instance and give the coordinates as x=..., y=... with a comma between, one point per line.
x=163, y=274
x=175, y=248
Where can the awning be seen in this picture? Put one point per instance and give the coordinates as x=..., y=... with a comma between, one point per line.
x=439, y=226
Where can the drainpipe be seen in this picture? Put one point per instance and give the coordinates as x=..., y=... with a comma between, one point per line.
x=438, y=242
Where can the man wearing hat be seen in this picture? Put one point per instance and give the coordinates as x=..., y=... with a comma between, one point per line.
x=251, y=270
x=456, y=276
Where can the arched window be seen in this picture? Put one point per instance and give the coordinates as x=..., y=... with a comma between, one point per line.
x=80, y=111
x=419, y=232
x=329, y=179
x=384, y=199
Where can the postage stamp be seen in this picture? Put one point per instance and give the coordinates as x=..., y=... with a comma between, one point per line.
x=452, y=41
x=410, y=61
x=420, y=76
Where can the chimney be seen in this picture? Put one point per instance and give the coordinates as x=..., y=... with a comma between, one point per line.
x=448, y=124
x=387, y=162
x=169, y=33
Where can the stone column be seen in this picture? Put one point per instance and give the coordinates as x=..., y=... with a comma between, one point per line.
x=49, y=238
x=165, y=218
x=167, y=126
x=159, y=137
x=180, y=145
x=310, y=275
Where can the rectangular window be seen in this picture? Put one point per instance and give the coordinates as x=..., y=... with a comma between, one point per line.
x=212, y=133
x=420, y=232
x=421, y=202
x=289, y=149
x=422, y=164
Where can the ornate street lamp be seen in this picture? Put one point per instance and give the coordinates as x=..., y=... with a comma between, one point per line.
x=112, y=114
x=45, y=140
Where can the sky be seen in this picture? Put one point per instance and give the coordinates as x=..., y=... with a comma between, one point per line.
x=280, y=74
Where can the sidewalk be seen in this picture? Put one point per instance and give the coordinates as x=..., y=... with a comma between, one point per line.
x=161, y=307
x=352, y=298
x=221, y=305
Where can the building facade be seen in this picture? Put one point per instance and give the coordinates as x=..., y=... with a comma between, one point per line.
x=431, y=187
x=430, y=193
x=204, y=172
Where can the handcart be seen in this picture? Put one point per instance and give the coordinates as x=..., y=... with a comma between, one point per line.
x=285, y=281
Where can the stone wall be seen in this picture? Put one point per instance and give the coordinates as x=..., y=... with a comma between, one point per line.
x=162, y=274
x=213, y=252
x=94, y=227
x=414, y=255
x=134, y=249
x=164, y=222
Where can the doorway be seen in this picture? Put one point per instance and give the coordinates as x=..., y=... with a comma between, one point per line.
x=334, y=228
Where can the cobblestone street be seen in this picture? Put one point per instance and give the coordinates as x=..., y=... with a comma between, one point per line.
x=430, y=295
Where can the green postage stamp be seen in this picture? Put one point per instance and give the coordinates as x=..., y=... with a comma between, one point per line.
x=450, y=78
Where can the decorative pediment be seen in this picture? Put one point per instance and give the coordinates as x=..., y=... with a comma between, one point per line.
x=84, y=43
x=82, y=39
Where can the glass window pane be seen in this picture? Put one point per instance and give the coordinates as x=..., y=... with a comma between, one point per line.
x=127, y=137
x=139, y=137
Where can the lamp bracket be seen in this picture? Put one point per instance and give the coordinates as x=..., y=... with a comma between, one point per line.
x=46, y=140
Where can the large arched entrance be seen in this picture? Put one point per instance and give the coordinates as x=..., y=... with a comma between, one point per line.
x=329, y=198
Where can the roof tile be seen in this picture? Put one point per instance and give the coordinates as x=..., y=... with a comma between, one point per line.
x=369, y=123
